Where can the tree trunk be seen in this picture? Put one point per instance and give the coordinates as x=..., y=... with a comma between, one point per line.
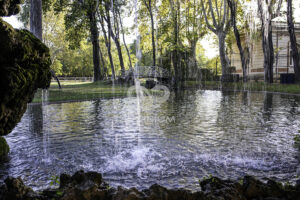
x=268, y=50
x=222, y=53
x=293, y=41
x=271, y=47
x=56, y=78
x=220, y=27
x=191, y=72
x=149, y=8
x=153, y=38
x=175, y=56
x=124, y=41
x=96, y=48
x=36, y=17
x=115, y=37
x=232, y=6
x=267, y=40
x=36, y=26
x=113, y=74
x=108, y=46
x=104, y=73
x=119, y=49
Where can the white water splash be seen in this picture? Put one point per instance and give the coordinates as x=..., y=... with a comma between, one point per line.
x=46, y=126
x=141, y=160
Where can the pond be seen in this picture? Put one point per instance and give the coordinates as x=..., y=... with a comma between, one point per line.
x=194, y=134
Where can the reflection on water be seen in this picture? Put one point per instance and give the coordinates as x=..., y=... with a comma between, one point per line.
x=193, y=134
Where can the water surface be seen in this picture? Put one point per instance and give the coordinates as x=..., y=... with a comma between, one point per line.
x=192, y=135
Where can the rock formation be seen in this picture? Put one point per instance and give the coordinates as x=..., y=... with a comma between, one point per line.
x=24, y=67
x=90, y=186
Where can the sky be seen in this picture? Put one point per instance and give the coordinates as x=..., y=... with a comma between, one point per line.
x=210, y=49
x=13, y=21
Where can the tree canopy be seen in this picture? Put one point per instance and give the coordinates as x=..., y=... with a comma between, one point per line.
x=94, y=37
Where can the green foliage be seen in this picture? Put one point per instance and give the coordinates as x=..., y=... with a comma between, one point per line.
x=24, y=15
x=65, y=61
x=66, y=32
x=241, y=181
x=4, y=148
x=211, y=68
x=59, y=193
x=57, y=67
x=297, y=141
x=76, y=24
x=77, y=62
x=54, y=180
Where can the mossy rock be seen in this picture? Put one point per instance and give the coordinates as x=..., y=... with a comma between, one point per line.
x=24, y=67
x=4, y=148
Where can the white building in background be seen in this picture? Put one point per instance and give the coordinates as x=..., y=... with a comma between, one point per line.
x=283, y=62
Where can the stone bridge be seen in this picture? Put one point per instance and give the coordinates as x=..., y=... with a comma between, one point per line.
x=150, y=72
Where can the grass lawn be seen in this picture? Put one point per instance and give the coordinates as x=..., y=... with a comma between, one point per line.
x=250, y=86
x=80, y=91
x=77, y=91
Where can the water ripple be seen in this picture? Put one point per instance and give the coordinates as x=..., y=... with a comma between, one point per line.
x=207, y=133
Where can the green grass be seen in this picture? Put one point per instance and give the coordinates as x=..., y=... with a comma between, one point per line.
x=251, y=86
x=80, y=91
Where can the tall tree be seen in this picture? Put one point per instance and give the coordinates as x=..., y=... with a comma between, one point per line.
x=148, y=4
x=195, y=30
x=267, y=13
x=124, y=41
x=113, y=29
x=176, y=57
x=107, y=39
x=233, y=10
x=91, y=13
x=293, y=40
x=81, y=21
x=220, y=26
x=36, y=24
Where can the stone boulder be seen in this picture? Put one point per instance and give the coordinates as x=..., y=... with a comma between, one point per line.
x=24, y=67
x=157, y=192
x=127, y=194
x=83, y=186
x=255, y=189
x=90, y=186
x=215, y=188
x=14, y=188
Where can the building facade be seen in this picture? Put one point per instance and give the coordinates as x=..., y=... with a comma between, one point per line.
x=283, y=62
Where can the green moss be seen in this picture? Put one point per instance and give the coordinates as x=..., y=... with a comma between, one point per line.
x=4, y=148
x=24, y=67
